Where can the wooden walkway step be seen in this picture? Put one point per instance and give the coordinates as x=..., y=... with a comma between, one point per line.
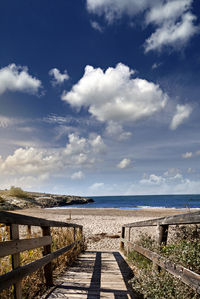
x=96, y=274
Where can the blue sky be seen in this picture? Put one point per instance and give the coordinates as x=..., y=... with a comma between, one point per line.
x=100, y=97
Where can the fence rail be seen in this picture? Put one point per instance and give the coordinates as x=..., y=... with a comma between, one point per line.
x=187, y=276
x=16, y=245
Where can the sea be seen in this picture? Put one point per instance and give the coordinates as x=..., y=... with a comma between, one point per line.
x=135, y=202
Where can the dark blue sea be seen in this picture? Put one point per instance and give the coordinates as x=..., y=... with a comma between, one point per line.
x=144, y=201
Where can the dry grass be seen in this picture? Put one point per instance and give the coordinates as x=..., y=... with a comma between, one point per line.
x=34, y=285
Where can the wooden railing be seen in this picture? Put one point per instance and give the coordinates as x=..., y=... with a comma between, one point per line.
x=17, y=245
x=187, y=276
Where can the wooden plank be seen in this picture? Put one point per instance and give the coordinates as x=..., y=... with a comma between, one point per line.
x=47, y=250
x=95, y=274
x=12, y=218
x=187, y=276
x=189, y=218
x=19, y=273
x=14, y=235
x=16, y=246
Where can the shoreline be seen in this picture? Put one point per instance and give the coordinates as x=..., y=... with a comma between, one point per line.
x=62, y=213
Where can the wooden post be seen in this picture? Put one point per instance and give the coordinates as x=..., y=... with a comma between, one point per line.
x=74, y=231
x=129, y=238
x=14, y=235
x=29, y=230
x=122, y=236
x=81, y=233
x=47, y=249
x=162, y=234
x=162, y=231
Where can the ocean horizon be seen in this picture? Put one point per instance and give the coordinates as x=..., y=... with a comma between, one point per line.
x=134, y=202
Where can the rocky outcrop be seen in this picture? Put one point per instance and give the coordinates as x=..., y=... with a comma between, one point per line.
x=40, y=200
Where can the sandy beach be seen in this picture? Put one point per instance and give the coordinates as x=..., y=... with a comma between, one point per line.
x=102, y=227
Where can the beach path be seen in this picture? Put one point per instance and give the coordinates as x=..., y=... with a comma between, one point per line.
x=96, y=274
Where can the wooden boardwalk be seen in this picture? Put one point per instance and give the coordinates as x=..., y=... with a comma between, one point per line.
x=96, y=274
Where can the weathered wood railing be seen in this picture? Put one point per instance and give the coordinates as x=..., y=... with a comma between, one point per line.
x=17, y=245
x=190, y=278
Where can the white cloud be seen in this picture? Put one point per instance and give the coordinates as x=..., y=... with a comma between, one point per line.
x=6, y=121
x=156, y=65
x=114, y=9
x=115, y=130
x=182, y=113
x=158, y=185
x=58, y=78
x=35, y=161
x=187, y=155
x=170, y=10
x=96, y=26
x=172, y=172
x=97, y=143
x=125, y=163
x=172, y=34
x=96, y=186
x=152, y=180
x=25, y=182
x=16, y=78
x=190, y=170
x=173, y=20
x=77, y=175
x=128, y=100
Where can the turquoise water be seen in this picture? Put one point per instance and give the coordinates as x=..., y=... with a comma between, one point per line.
x=144, y=201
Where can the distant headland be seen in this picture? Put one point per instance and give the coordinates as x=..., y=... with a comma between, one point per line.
x=15, y=198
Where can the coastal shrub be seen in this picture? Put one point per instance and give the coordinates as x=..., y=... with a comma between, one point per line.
x=17, y=192
x=33, y=286
x=2, y=200
x=185, y=250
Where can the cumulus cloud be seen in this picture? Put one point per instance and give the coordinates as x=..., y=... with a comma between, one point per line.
x=35, y=161
x=96, y=26
x=182, y=113
x=77, y=175
x=115, y=130
x=152, y=180
x=173, y=20
x=58, y=78
x=125, y=163
x=17, y=78
x=128, y=100
x=172, y=172
x=187, y=155
x=156, y=184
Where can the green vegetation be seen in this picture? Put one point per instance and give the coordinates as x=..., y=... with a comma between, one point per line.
x=184, y=250
x=17, y=192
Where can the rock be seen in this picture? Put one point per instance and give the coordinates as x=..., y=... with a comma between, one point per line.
x=40, y=200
